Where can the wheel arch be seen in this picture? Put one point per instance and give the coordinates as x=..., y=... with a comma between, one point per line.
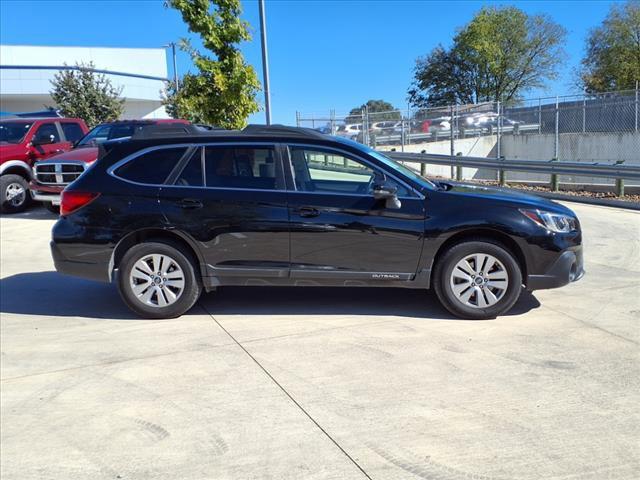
x=149, y=234
x=479, y=234
x=16, y=167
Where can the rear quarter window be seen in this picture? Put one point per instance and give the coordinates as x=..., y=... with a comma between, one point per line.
x=152, y=167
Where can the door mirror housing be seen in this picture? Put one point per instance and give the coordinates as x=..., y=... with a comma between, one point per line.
x=387, y=193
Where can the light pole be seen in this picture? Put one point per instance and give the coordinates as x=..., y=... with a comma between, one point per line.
x=265, y=62
x=175, y=65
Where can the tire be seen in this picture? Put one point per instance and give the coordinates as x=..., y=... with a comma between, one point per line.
x=148, y=302
x=488, y=294
x=14, y=193
x=52, y=208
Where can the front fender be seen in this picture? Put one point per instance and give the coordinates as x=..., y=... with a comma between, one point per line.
x=19, y=164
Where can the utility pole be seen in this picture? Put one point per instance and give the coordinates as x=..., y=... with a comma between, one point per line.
x=265, y=62
x=175, y=65
x=636, y=119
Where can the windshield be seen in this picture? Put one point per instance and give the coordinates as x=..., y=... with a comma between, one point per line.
x=102, y=133
x=14, y=132
x=398, y=167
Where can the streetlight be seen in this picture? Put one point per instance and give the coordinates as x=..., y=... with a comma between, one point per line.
x=175, y=66
x=265, y=62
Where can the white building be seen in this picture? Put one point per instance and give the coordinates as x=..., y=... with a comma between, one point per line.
x=26, y=73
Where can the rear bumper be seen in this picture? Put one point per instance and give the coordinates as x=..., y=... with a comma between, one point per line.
x=569, y=267
x=98, y=271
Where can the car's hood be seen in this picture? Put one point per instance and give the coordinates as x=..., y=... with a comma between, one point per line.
x=83, y=154
x=506, y=196
x=12, y=151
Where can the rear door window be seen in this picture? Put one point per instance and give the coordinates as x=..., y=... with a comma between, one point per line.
x=152, y=167
x=193, y=174
x=72, y=132
x=241, y=167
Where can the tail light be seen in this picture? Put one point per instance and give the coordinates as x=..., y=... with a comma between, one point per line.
x=72, y=201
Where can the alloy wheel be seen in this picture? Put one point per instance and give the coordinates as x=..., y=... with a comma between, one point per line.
x=479, y=280
x=15, y=194
x=157, y=280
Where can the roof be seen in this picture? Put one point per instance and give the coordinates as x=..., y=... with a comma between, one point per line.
x=146, y=121
x=182, y=131
x=37, y=119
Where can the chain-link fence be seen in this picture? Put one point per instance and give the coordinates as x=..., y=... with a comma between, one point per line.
x=583, y=128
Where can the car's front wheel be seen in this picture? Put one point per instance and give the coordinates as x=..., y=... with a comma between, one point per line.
x=477, y=279
x=14, y=193
x=158, y=280
x=52, y=208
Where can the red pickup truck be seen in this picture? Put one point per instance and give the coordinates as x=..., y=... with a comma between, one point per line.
x=23, y=141
x=51, y=176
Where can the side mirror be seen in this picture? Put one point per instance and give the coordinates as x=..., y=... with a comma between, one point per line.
x=387, y=193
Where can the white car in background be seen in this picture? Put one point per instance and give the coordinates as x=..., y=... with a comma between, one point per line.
x=349, y=130
x=388, y=127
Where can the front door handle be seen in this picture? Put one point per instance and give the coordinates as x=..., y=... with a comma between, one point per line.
x=308, y=212
x=190, y=204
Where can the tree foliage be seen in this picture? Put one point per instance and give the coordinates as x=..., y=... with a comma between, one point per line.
x=612, y=60
x=84, y=94
x=384, y=111
x=223, y=91
x=169, y=100
x=499, y=55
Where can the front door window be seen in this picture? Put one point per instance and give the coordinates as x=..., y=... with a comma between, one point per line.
x=323, y=171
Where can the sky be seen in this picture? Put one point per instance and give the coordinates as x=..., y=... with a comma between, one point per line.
x=324, y=54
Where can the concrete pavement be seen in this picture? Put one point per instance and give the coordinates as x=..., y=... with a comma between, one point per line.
x=320, y=383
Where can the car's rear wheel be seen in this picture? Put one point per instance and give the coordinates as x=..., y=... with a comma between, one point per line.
x=14, y=193
x=158, y=280
x=478, y=279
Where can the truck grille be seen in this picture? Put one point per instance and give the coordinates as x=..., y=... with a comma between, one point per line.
x=58, y=173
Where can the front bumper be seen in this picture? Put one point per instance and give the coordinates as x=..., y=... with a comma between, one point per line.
x=45, y=193
x=569, y=267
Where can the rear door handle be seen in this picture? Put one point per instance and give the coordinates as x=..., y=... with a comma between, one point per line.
x=308, y=212
x=190, y=204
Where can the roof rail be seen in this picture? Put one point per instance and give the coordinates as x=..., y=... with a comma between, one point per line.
x=281, y=130
x=160, y=130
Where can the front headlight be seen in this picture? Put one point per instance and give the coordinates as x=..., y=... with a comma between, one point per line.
x=555, y=222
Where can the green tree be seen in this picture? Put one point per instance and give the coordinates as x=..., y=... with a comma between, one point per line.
x=499, y=55
x=612, y=60
x=383, y=110
x=169, y=100
x=85, y=94
x=223, y=91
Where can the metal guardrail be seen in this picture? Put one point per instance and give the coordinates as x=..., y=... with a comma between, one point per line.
x=397, y=137
x=618, y=171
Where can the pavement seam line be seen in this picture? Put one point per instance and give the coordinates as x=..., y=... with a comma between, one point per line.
x=113, y=362
x=308, y=415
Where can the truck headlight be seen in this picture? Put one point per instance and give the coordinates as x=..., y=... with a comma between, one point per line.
x=554, y=222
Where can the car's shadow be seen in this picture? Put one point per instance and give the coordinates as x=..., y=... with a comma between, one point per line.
x=33, y=212
x=53, y=294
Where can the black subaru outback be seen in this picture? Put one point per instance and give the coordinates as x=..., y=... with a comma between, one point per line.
x=173, y=211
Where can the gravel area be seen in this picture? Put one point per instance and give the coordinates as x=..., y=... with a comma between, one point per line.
x=633, y=198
